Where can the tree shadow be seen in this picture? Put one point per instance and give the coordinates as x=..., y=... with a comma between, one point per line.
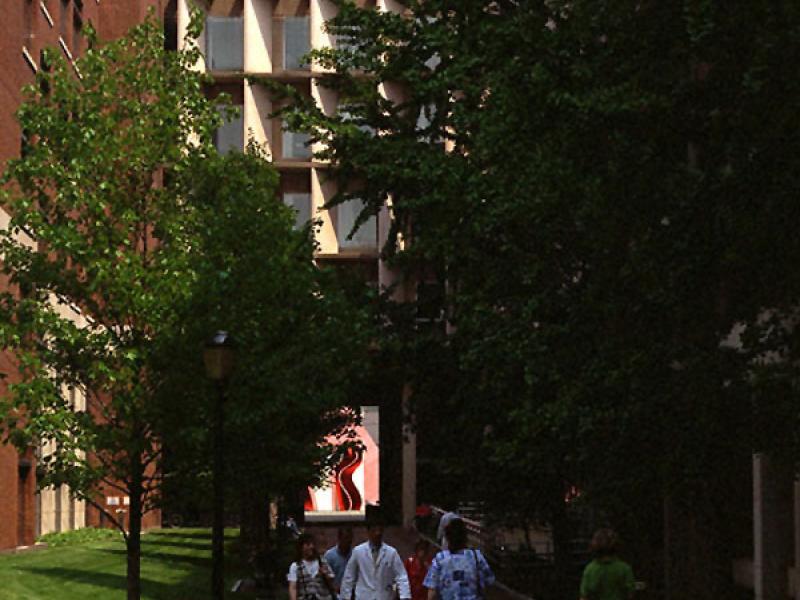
x=109, y=581
x=176, y=544
x=189, y=566
x=197, y=562
x=204, y=535
x=183, y=533
x=191, y=540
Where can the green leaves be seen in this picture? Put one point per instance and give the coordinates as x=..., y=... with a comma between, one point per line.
x=605, y=191
x=300, y=340
x=95, y=244
x=132, y=240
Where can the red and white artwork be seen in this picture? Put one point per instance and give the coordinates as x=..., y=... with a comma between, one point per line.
x=354, y=482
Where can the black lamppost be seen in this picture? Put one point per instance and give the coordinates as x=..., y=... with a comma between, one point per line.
x=218, y=356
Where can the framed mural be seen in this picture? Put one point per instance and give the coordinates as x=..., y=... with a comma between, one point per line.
x=353, y=484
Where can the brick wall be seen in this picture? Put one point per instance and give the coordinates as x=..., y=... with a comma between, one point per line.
x=115, y=502
x=117, y=15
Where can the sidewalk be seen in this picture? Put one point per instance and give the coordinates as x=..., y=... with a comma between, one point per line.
x=403, y=540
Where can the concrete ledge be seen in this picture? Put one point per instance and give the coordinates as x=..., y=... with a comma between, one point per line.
x=344, y=516
x=23, y=549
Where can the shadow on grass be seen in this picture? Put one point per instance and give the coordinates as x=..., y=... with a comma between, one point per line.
x=176, y=565
x=149, y=543
x=176, y=551
x=197, y=562
x=182, y=533
x=192, y=583
x=109, y=581
x=178, y=539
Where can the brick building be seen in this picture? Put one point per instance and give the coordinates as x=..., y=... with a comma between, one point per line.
x=26, y=29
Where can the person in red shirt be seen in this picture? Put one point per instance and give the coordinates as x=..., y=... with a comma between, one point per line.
x=417, y=566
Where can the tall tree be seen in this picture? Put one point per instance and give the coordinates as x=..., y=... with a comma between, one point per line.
x=131, y=240
x=603, y=191
x=99, y=262
x=301, y=345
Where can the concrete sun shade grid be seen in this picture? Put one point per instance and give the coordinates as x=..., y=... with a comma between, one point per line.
x=274, y=34
x=269, y=39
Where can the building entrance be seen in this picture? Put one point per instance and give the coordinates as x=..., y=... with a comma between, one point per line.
x=23, y=473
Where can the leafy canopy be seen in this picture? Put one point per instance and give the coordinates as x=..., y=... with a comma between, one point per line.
x=602, y=192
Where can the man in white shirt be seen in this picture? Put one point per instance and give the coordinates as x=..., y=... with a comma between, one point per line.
x=375, y=569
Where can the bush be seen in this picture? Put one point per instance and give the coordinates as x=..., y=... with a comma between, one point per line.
x=79, y=536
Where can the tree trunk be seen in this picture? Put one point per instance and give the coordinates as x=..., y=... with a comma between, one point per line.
x=562, y=552
x=134, y=540
x=667, y=547
x=254, y=521
x=256, y=547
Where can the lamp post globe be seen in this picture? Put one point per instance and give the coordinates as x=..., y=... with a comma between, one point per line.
x=219, y=356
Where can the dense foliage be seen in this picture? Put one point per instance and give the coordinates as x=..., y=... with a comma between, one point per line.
x=301, y=345
x=604, y=194
x=96, y=252
x=130, y=241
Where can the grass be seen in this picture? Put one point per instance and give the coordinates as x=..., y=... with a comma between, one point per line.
x=176, y=565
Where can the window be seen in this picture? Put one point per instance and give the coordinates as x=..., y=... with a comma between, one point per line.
x=348, y=116
x=430, y=302
x=44, y=71
x=63, y=21
x=230, y=136
x=77, y=31
x=296, y=145
x=171, y=26
x=427, y=114
x=24, y=143
x=301, y=204
x=23, y=474
x=365, y=237
x=27, y=22
x=225, y=43
x=344, y=43
x=296, y=42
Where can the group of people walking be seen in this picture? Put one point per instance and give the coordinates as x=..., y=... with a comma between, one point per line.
x=374, y=570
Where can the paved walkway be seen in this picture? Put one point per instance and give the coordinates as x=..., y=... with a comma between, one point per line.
x=402, y=539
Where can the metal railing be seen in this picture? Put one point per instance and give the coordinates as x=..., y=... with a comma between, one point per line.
x=523, y=568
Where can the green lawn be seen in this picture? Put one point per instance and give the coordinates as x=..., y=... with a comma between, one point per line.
x=176, y=565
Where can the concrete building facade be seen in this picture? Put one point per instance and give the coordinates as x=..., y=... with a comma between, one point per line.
x=268, y=39
x=28, y=27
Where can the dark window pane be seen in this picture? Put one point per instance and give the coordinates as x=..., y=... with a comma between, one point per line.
x=301, y=204
x=296, y=42
x=230, y=136
x=296, y=145
x=27, y=22
x=225, y=43
x=365, y=237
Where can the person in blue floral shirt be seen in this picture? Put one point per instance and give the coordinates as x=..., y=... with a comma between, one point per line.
x=458, y=573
